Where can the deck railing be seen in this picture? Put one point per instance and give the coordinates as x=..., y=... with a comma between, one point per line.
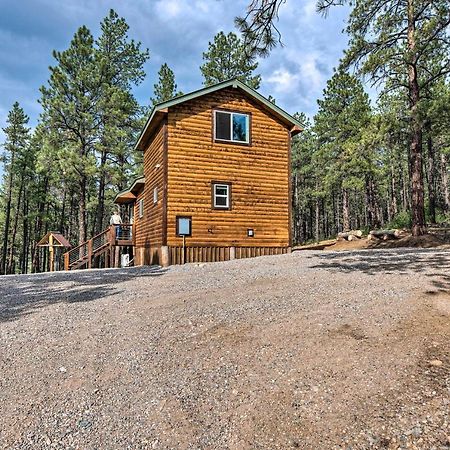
x=122, y=232
x=84, y=253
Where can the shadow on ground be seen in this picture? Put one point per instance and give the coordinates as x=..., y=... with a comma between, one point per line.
x=24, y=294
x=432, y=263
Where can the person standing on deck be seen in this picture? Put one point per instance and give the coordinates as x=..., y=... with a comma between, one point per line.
x=116, y=220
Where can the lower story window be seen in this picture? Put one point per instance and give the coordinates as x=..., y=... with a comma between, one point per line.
x=184, y=226
x=221, y=195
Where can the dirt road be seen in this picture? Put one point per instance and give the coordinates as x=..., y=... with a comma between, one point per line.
x=313, y=350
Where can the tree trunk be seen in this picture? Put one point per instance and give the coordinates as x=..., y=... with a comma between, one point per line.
x=71, y=233
x=14, y=228
x=82, y=211
x=393, y=206
x=444, y=177
x=335, y=214
x=431, y=179
x=415, y=152
x=25, y=234
x=100, y=215
x=35, y=265
x=371, y=204
x=345, y=211
x=62, y=218
x=7, y=217
x=317, y=210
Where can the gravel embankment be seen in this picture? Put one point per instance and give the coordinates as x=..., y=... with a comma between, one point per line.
x=312, y=350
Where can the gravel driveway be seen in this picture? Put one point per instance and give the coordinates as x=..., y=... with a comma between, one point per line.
x=312, y=350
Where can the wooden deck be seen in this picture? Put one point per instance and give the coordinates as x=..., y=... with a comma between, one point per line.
x=101, y=248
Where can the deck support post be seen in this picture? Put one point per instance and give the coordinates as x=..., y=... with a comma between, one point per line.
x=116, y=257
x=165, y=259
x=232, y=253
x=89, y=246
x=66, y=261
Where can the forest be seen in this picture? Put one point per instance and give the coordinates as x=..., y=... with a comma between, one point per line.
x=360, y=163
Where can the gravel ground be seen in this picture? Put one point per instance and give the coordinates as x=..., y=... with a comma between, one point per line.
x=313, y=350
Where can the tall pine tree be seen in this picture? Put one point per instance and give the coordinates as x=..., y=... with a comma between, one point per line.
x=166, y=88
x=70, y=109
x=17, y=135
x=401, y=43
x=343, y=113
x=226, y=58
x=120, y=62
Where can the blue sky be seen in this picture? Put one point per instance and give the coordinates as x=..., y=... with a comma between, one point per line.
x=176, y=32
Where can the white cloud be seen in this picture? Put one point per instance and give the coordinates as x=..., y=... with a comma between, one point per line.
x=176, y=32
x=283, y=80
x=309, y=9
x=169, y=9
x=310, y=72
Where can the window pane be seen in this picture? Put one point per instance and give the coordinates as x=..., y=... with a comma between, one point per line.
x=221, y=201
x=240, y=128
x=221, y=190
x=184, y=226
x=223, y=121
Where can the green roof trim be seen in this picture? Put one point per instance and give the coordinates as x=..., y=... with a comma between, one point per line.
x=235, y=83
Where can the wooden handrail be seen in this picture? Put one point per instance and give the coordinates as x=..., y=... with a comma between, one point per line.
x=110, y=239
x=99, y=234
x=75, y=248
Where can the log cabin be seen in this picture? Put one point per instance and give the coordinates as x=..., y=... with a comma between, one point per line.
x=216, y=182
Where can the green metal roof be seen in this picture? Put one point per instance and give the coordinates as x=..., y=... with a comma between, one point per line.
x=235, y=83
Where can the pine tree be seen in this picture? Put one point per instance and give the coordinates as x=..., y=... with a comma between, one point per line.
x=70, y=109
x=166, y=88
x=16, y=144
x=226, y=58
x=403, y=44
x=304, y=182
x=120, y=62
x=343, y=113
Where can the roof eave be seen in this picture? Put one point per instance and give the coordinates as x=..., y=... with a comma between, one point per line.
x=161, y=109
x=133, y=190
x=150, y=125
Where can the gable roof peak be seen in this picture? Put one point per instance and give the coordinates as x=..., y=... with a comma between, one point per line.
x=162, y=108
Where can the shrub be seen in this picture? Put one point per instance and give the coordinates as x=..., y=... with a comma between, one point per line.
x=401, y=220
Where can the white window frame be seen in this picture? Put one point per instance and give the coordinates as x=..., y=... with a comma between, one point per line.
x=155, y=195
x=215, y=195
x=141, y=208
x=231, y=126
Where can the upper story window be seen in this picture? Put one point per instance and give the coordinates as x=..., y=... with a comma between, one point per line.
x=155, y=195
x=141, y=208
x=231, y=127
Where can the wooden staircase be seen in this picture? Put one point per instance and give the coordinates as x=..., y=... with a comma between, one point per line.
x=104, y=243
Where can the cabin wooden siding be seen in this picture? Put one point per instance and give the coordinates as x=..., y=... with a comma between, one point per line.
x=137, y=221
x=149, y=228
x=259, y=173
